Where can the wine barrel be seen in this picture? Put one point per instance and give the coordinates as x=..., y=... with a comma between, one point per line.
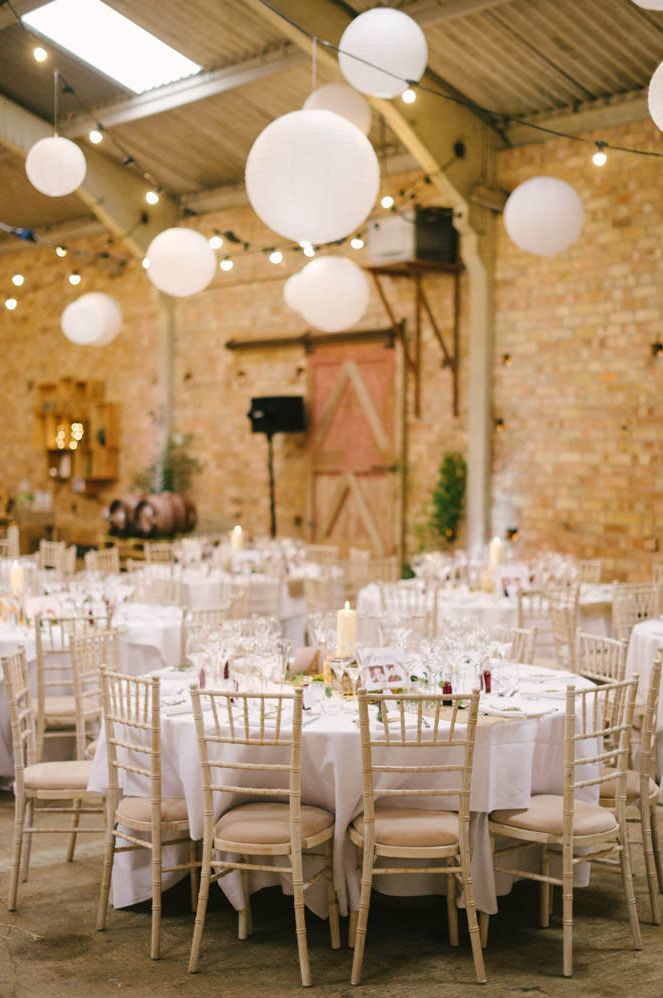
x=121, y=513
x=191, y=514
x=160, y=515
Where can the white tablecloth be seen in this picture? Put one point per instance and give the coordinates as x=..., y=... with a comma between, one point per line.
x=514, y=758
x=646, y=639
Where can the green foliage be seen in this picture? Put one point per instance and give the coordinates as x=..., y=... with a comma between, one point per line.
x=449, y=498
x=173, y=470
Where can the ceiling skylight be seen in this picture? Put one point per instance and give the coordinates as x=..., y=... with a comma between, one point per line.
x=110, y=43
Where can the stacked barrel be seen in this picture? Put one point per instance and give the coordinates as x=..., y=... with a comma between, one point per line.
x=141, y=514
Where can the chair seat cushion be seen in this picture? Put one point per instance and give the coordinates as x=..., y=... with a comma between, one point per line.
x=609, y=788
x=412, y=827
x=59, y=711
x=58, y=775
x=269, y=823
x=140, y=809
x=546, y=814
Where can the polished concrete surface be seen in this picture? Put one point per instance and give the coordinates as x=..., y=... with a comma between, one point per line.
x=49, y=946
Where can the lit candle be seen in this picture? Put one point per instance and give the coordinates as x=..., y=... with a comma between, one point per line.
x=17, y=579
x=236, y=538
x=495, y=552
x=346, y=631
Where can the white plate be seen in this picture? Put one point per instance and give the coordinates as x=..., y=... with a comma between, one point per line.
x=518, y=707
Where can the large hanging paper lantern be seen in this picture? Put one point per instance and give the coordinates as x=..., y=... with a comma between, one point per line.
x=94, y=319
x=291, y=290
x=655, y=97
x=332, y=293
x=181, y=262
x=311, y=175
x=649, y=4
x=55, y=166
x=544, y=215
x=386, y=38
x=343, y=100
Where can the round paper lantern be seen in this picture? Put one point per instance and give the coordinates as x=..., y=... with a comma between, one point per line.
x=55, y=166
x=291, y=290
x=655, y=97
x=386, y=38
x=332, y=293
x=94, y=319
x=342, y=100
x=649, y=4
x=181, y=262
x=544, y=215
x=312, y=175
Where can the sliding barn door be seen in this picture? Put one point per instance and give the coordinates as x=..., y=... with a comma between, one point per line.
x=354, y=436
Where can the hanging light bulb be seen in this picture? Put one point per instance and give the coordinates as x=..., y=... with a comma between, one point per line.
x=387, y=201
x=40, y=54
x=152, y=197
x=216, y=241
x=95, y=136
x=309, y=250
x=145, y=263
x=600, y=157
x=409, y=96
x=226, y=264
x=74, y=278
x=10, y=304
x=357, y=242
x=18, y=280
x=60, y=251
x=276, y=256
x=304, y=243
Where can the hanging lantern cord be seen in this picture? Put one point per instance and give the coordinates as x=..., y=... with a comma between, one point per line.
x=56, y=101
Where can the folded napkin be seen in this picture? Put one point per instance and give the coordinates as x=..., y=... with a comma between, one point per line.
x=515, y=707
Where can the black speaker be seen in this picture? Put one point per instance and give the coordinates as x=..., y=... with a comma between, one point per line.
x=277, y=414
x=435, y=237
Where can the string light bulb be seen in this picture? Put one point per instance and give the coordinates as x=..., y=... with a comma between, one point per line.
x=18, y=280
x=95, y=137
x=40, y=54
x=60, y=251
x=304, y=243
x=276, y=256
x=387, y=201
x=152, y=197
x=309, y=250
x=409, y=96
x=74, y=278
x=600, y=157
x=145, y=263
x=216, y=241
x=357, y=242
x=226, y=264
x=10, y=304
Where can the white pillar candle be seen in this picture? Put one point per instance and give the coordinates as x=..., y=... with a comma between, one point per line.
x=237, y=538
x=495, y=552
x=17, y=579
x=346, y=631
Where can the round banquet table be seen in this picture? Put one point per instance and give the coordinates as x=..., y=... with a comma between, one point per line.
x=647, y=639
x=514, y=759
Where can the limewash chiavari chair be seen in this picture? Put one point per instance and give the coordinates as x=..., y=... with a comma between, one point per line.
x=522, y=641
x=198, y=621
x=132, y=720
x=563, y=613
x=414, y=606
x=159, y=552
x=657, y=573
x=416, y=724
x=264, y=596
x=326, y=555
x=104, y=560
x=359, y=572
x=164, y=590
x=642, y=790
x=89, y=652
x=590, y=570
x=631, y=604
x=57, y=783
x=601, y=659
x=4, y=547
x=51, y=555
x=583, y=831
x=239, y=737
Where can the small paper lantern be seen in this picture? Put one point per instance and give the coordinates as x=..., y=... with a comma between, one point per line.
x=655, y=97
x=312, y=175
x=93, y=320
x=181, y=262
x=332, y=293
x=343, y=100
x=55, y=166
x=649, y=4
x=386, y=38
x=544, y=215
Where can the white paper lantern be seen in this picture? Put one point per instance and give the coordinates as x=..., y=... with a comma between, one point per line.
x=181, y=262
x=544, y=215
x=94, y=319
x=655, y=97
x=386, y=38
x=343, y=100
x=331, y=293
x=55, y=166
x=649, y=4
x=291, y=290
x=312, y=175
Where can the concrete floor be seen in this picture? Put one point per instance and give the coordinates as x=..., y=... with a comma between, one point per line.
x=49, y=947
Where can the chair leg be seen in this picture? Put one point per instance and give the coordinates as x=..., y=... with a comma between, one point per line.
x=657, y=845
x=155, y=945
x=544, y=890
x=106, y=870
x=627, y=879
x=201, y=910
x=567, y=911
x=472, y=922
x=452, y=910
x=19, y=820
x=484, y=924
x=27, y=841
x=332, y=900
x=245, y=918
x=300, y=916
x=362, y=918
x=75, y=819
x=352, y=929
x=193, y=873
x=650, y=864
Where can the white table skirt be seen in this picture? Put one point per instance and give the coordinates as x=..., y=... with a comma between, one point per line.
x=646, y=639
x=514, y=759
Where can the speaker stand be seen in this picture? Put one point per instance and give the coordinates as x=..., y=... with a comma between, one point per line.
x=272, y=490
